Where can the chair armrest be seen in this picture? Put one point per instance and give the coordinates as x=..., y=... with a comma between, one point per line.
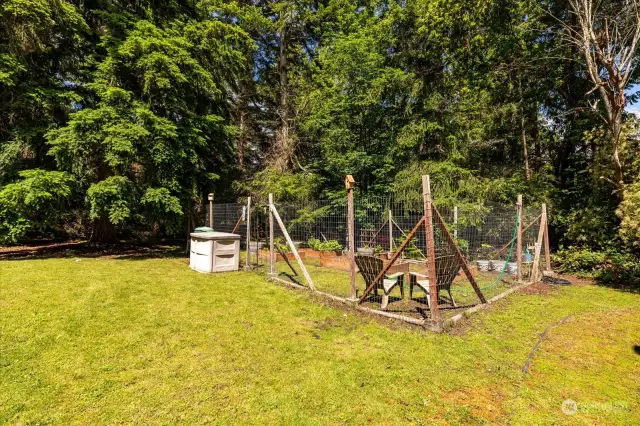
x=396, y=275
x=418, y=274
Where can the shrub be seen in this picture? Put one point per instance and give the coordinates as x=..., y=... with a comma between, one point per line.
x=33, y=204
x=629, y=214
x=609, y=266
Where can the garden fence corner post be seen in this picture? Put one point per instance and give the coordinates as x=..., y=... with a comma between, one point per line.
x=248, y=219
x=519, y=239
x=271, y=243
x=349, y=183
x=210, y=210
x=431, y=257
x=538, y=248
x=547, y=254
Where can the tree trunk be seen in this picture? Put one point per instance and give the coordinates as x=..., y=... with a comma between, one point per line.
x=537, y=147
x=242, y=137
x=527, y=169
x=154, y=237
x=616, y=130
x=103, y=231
x=283, y=150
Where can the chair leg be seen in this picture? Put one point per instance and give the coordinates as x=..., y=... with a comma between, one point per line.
x=385, y=301
x=401, y=284
x=453, y=302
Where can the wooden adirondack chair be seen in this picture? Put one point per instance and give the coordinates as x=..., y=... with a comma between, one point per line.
x=445, y=274
x=370, y=267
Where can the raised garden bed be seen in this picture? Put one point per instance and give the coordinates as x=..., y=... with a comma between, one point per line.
x=335, y=260
x=264, y=255
x=310, y=253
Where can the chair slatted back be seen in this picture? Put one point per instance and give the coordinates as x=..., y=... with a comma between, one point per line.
x=447, y=274
x=369, y=267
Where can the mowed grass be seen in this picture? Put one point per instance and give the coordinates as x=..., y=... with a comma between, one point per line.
x=105, y=341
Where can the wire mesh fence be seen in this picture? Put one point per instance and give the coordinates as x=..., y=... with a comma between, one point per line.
x=228, y=217
x=474, y=250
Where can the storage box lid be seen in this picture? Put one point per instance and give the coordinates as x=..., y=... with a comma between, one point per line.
x=215, y=236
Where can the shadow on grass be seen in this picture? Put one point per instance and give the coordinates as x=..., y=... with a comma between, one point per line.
x=627, y=288
x=84, y=249
x=636, y=349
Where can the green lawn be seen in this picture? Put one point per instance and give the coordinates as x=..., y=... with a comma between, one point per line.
x=102, y=341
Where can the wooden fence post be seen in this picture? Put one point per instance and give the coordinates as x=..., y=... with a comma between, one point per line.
x=547, y=254
x=431, y=255
x=349, y=183
x=271, y=244
x=292, y=246
x=210, y=210
x=519, y=239
x=538, y=249
x=248, y=219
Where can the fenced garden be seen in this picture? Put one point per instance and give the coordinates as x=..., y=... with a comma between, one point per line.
x=380, y=253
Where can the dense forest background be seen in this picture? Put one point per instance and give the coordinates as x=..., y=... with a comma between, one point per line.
x=118, y=117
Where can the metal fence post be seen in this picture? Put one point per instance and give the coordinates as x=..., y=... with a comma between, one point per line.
x=547, y=254
x=519, y=239
x=210, y=210
x=248, y=219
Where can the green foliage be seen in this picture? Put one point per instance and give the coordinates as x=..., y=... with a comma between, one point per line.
x=33, y=204
x=451, y=185
x=610, y=266
x=281, y=243
x=149, y=106
x=410, y=251
x=629, y=214
x=283, y=186
x=313, y=243
x=112, y=198
x=160, y=201
x=156, y=129
x=329, y=245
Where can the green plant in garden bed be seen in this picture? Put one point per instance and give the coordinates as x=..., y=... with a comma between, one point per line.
x=313, y=243
x=325, y=246
x=410, y=251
